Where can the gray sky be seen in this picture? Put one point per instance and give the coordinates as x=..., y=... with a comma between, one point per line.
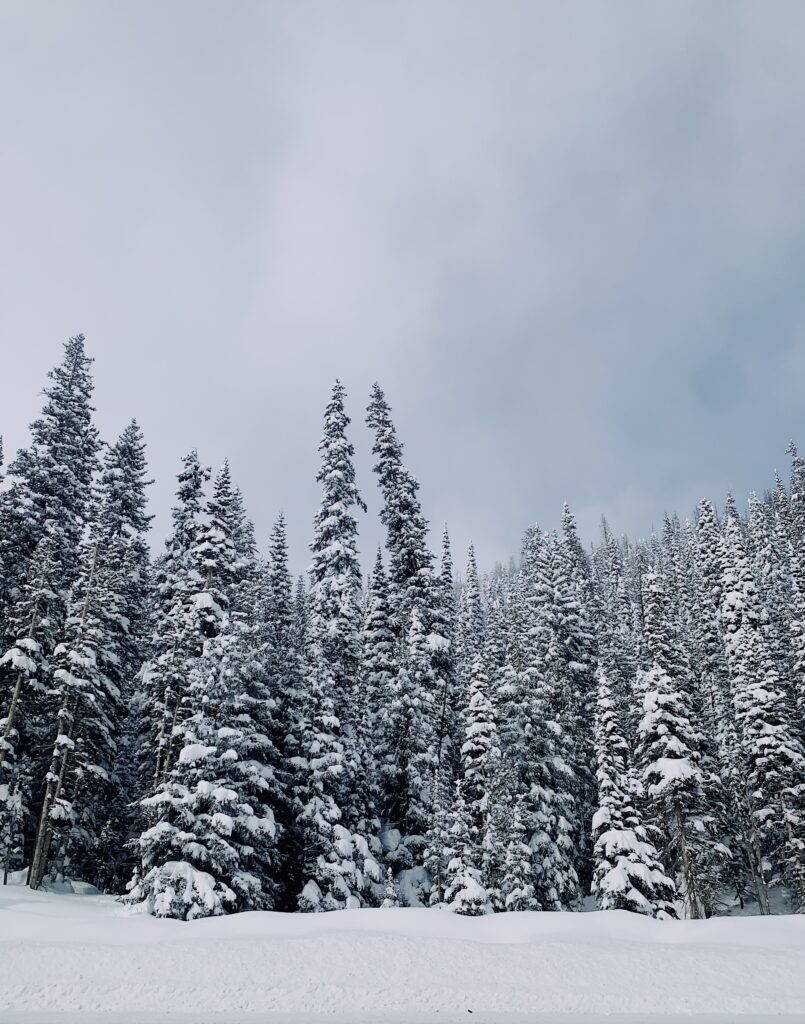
x=568, y=239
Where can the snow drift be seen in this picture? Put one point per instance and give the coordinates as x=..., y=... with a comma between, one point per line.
x=76, y=955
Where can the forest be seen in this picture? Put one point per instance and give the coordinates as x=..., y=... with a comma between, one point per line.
x=192, y=729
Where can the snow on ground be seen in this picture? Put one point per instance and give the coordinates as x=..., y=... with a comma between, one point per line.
x=86, y=958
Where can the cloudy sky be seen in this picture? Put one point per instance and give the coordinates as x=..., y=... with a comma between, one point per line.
x=568, y=239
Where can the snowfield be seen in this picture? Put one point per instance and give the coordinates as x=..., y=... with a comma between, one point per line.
x=70, y=958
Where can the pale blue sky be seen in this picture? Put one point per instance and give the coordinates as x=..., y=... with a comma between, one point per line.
x=568, y=238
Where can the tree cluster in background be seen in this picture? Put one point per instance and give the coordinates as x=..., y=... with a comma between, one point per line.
x=202, y=733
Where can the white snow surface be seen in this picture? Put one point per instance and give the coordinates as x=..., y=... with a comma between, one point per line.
x=87, y=958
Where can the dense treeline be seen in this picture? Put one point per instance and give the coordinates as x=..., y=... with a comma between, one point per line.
x=201, y=732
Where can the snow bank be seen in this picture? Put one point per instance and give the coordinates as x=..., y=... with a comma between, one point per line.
x=80, y=955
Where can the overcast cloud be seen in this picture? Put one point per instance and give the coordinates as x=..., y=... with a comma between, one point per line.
x=567, y=238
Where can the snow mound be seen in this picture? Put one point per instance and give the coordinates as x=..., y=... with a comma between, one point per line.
x=65, y=957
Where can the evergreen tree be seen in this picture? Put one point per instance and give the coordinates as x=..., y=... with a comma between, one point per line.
x=212, y=848
x=276, y=636
x=550, y=781
x=51, y=479
x=123, y=524
x=670, y=753
x=24, y=664
x=391, y=896
x=464, y=891
x=407, y=746
x=338, y=864
x=378, y=664
x=442, y=657
x=771, y=759
x=517, y=889
x=85, y=744
x=480, y=751
x=438, y=840
x=410, y=561
x=471, y=616
x=178, y=636
x=793, y=514
x=628, y=874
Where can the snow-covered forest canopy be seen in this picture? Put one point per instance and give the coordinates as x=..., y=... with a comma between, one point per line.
x=197, y=730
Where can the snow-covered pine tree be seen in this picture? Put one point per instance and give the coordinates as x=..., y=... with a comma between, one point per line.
x=391, y=894
x=437, y=849
x=443, y=632
x=628, y=874
x=577, y=643
x=336, y=612
x=770, y=569
x=715, y=680
x=471, y=617
x=670, y=753
x=212, y=847
x=338, y=864
x=51, y=480
x=275, y=635
x=245, y=567
x=480, y=751
x=43, y=514
x=178, y=639
x=549, y=801
x=95, y=661
x=24, y=663
x=517, y=887
x=27, y=670
x=464, y=892
x=618, y=643
x=124, y=523
x=282, y=654
x=301, y=615
x=772, y=763
x=379, y=654
x=793, y=516
x=407, y=747
x=213, y=559
x=410, y=561
x=84, y=742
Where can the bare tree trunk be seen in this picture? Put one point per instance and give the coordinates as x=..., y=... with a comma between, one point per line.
x=756, y=863
x=61, y=754
x=799, y=870
x=55, y=776
x=687, y=867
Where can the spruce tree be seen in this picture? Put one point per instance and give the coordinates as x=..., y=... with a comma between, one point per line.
x=443, y=662
x=378, y=658
x=552, y=812
x=772, y=764
x=84, y=746
x=464, y=892
x=480, y=750
x=391, y=895
x=517, y=888
x=410, y=561
x=124, y=523
x=407, y=747
x=793, y=514
x=178, y=637
x=628, y=874
x=670, y=753
x=51, y=479
x=275, y=635
x=211, y=850
x=338, y=864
